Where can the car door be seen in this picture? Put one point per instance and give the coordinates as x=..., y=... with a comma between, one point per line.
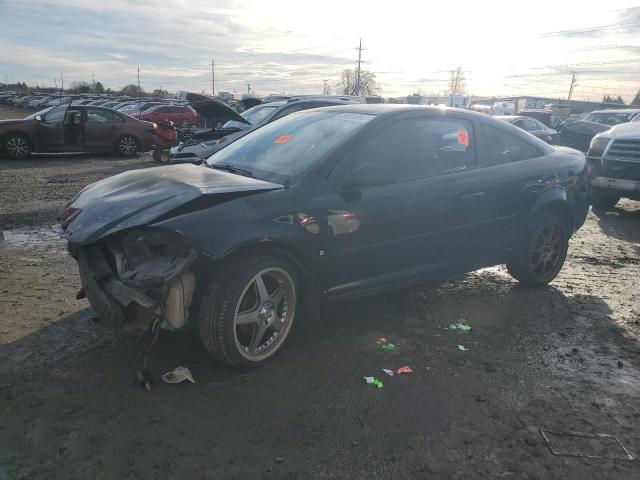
x=51, y=129
x=449, y=219
x=100, y=129
x=414, y=209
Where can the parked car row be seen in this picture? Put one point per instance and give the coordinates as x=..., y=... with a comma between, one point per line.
x=78, y=128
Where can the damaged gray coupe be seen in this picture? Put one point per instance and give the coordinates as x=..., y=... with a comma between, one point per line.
x=320, y=206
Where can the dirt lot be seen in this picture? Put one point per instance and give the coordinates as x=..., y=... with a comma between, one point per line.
x=562, y=358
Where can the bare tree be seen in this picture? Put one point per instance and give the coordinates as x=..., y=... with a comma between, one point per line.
x=348, y=83
x=457, y=81
x=131, y=90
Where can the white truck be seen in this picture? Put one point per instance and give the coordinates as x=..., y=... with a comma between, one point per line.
x=614, y=162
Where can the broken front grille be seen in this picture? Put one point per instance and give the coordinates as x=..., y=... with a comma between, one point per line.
x=624, y=150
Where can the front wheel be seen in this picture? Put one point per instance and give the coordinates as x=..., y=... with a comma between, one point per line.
x=127, y=145
x=17, y=147
x=540, y=255
x=247, y=312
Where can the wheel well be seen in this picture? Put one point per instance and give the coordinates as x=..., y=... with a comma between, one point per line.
x=562, y=209
x=268, y=249
x=21, y=134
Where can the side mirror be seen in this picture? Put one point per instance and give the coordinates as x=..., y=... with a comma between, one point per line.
x=367, y=175
x=39, y=118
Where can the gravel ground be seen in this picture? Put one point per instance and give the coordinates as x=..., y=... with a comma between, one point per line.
x=561, y=359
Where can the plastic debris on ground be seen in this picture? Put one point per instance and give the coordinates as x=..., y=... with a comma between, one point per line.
x=373, y=381
x=462, y=348
x=617, y=214
x=179, y=375
x=398, y=371
x=385, y=344
x=459, y=326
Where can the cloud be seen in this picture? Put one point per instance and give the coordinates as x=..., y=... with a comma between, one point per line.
x=118, y=56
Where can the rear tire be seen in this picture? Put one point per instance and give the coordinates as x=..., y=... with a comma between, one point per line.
x=541, y=253
x=127, y=146
x=604, y=200
x=17, y=147
x=248, y=310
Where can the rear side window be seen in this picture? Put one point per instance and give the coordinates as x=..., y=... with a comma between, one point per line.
x=99, y=116
x=418, y=148
x=503, y=147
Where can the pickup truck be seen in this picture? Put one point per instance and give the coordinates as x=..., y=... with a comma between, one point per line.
x=614, y=162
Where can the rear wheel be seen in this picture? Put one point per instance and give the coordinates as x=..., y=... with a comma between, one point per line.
x=17, y=147
x=247, y=312
x=541, y=254
x=127, y=145
x=604, y=199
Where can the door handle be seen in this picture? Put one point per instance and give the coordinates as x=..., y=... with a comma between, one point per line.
x=469, y=197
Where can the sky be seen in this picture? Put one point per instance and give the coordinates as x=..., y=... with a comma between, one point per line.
x=277, y=46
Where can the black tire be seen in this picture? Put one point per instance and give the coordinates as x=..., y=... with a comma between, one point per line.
x=127, y=146
x=540, y=254
x=604, y=200
x=221, y=307
x=17, y=146
x=158, y=156
x=184, y=123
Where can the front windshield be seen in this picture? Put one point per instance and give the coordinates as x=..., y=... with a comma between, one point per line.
x=41, y=112
x=607, y=118
x=290, y=145
x=258, y=114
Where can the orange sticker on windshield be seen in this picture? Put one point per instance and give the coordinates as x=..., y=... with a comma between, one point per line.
x=283, y=139
x=463, y=137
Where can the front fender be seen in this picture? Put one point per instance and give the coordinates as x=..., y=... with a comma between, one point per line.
x=545, y=198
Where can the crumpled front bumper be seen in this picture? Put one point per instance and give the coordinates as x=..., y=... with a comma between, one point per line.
x=147, y=294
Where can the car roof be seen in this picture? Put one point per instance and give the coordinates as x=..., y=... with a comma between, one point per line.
x=618, y=110
x=388, y=108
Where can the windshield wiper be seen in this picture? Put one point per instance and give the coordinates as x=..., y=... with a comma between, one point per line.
x=229, y=168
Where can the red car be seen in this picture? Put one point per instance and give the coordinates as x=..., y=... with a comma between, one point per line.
x=178, y=114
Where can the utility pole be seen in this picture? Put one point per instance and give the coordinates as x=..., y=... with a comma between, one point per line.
x=573, y=84
x=61, y=84
x=93, y=83
x=325, y=91
x=139, y=92
x=248, y=88
x=358, y=70
x=213, y=79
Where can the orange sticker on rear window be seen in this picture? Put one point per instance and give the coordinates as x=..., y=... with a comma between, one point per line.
x=283, y=139
x=463, y=137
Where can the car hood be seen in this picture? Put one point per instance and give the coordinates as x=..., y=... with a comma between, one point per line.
x=14, y=121
x=140, y=197
x=213, y=110
x=588, y=128
x=631, y=129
